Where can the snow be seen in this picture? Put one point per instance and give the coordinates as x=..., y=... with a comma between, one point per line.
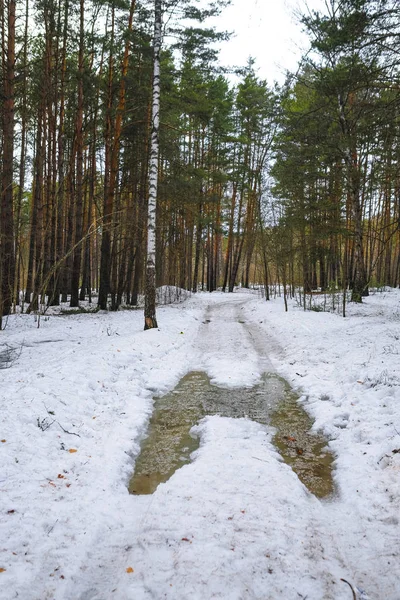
x=235, y=523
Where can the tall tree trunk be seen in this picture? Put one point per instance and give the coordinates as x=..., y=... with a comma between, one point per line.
x=35, y=250
x=105, y=251
x=7, y=254
x=199, y=233
x=60, y=264
x=228, y=255
x=150, y=320
x=359, y=283
x=22, y=164
x=76, y=264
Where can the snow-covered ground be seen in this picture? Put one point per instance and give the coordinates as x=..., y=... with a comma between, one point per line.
x=234, y=524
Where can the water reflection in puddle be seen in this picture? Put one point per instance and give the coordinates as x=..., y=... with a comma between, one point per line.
x=169, y=444
x=305, y=451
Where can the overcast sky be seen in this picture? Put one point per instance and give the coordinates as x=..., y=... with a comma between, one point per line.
x=268, y=31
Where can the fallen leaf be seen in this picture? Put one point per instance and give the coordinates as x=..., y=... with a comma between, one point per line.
x=360, y=382
x=68, y=484
x=10, y=512
x=3, y=441
x=51, y=483
x=2, y=570
x=299, y=451
x=72, y=450
x=185, y=540
x=62, y=577
x=59, y=476
x=290, y=438
x=129, y=570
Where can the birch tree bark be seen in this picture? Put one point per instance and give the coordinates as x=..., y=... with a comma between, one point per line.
x=150, y=320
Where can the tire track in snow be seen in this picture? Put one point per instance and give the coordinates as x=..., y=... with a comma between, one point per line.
x=230, y=350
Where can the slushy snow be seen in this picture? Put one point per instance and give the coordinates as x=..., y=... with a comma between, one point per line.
x=235, y=523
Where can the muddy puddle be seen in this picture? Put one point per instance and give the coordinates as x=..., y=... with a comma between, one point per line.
x=169, y=444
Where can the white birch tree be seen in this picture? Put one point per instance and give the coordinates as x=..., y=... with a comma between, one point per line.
x=150, y=320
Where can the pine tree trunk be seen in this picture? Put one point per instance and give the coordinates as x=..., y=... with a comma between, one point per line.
x=60, y=265
x=105, y=251
x=35, y=250
x=22, y=164
x=359, y=283
x=7, y=254
x=199, y=232
x=76, y=264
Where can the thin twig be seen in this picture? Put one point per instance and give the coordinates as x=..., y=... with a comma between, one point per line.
x=69, y=432
x=351, y=587
x=262, y=460
x=43, y=425
x=382, y=457
x=51, y=528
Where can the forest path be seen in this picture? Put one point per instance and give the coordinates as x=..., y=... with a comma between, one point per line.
x=232, y=348
x=234, y=524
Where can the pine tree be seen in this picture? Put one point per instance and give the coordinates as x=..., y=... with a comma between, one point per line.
x=7, y=253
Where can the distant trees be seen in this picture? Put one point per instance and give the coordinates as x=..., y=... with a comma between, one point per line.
x=338, y=147
x=298, y=185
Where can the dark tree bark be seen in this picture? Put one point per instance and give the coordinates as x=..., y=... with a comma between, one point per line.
x=7, y=253
x=77, y=255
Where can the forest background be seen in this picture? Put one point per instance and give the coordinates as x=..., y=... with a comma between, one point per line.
x=297, y=185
